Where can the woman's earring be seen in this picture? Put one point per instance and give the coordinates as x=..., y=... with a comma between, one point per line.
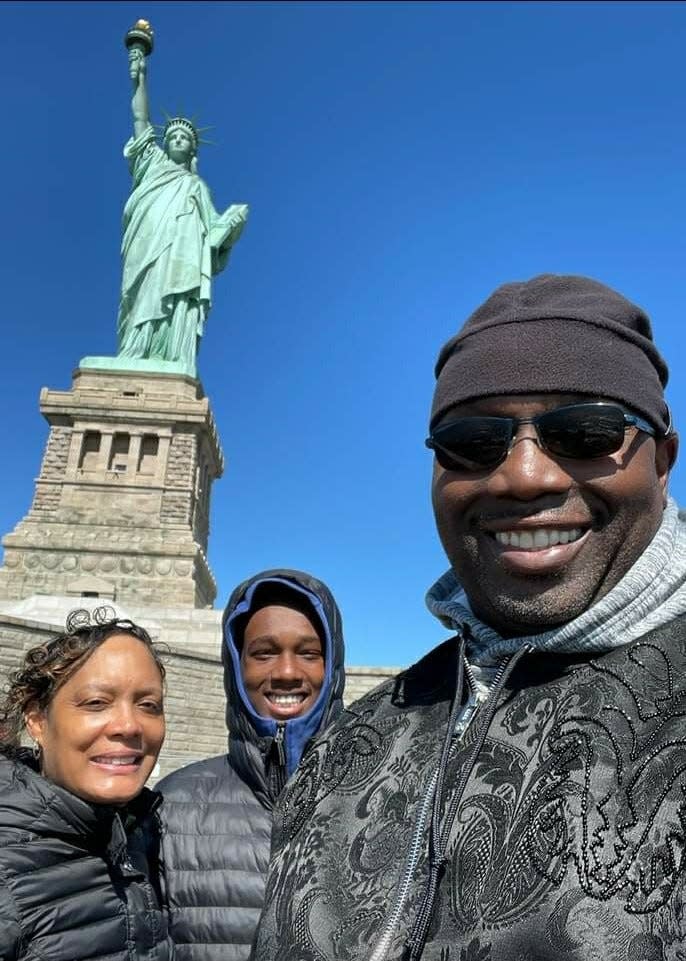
x=36, y=752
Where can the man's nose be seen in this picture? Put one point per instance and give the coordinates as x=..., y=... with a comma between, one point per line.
x=286, y=668
x=529, y=471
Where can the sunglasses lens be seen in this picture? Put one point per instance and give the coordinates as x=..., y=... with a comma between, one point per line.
x=582, y=431
x=472, y=443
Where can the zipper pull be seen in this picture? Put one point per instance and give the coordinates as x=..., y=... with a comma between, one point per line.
x=465, y=718
x=278, y=743
x=277, y=776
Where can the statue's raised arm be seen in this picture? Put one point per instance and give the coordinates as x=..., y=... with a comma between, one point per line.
x=140, y=106
x=174, y=240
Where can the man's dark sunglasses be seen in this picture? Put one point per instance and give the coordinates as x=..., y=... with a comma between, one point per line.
x=578, y=431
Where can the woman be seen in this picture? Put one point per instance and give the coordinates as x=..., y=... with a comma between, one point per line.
x=75, y=877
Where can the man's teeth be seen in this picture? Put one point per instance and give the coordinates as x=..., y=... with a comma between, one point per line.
x=538, y=539
x=286, y=699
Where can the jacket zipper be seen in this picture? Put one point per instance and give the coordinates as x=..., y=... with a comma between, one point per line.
x=279, y=748
x=426, y=908
x=383, y=944
x=416, y=845
x=278, y=742
x=458, y=725
x=472, y=706
x=440, y=845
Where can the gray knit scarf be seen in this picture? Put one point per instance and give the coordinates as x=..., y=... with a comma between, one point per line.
x=651, y=593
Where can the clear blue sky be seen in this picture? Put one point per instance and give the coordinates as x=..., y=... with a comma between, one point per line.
x=400, y=161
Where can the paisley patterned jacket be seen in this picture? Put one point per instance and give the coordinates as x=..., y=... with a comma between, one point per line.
x=552, y=829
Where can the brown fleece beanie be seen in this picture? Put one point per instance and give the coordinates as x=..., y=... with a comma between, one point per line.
x=555, y=334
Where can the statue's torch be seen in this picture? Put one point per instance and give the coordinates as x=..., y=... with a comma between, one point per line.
x=139, y=43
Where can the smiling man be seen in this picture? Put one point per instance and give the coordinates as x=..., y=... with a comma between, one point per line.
x=532, y=767
x=283, y=657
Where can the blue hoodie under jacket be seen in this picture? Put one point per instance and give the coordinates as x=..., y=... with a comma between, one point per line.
x=217, y=814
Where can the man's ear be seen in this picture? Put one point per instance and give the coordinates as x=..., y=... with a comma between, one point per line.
x=666, y=449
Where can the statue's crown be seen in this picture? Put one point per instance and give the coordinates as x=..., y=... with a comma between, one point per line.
x=174, y=123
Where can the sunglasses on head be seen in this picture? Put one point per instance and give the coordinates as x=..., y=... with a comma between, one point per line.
x=578, y=431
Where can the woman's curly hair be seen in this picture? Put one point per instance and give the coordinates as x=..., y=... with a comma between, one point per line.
x=45, y=668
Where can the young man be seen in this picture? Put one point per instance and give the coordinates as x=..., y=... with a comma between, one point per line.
x=527, y=778
x=284, y=676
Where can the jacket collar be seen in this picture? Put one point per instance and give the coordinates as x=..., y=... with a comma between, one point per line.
x=46, y=808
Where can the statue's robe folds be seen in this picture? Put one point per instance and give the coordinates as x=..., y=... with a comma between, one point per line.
x=174, y=241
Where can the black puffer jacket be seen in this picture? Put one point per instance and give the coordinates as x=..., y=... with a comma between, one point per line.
x=217, y=814
x=552, y=829
x=74, y=876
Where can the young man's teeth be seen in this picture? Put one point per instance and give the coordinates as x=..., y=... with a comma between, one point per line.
x=538, y=539
x=286, y=699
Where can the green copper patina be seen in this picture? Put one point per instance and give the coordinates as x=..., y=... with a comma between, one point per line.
x=174, y=241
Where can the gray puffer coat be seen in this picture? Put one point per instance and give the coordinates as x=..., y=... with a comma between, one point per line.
x=217, y=814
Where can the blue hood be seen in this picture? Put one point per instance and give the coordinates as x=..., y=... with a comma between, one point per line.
x=248, y=730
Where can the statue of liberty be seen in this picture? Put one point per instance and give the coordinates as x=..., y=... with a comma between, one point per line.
x=174, y=241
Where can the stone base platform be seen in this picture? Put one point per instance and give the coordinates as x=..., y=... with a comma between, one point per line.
x=121, y=505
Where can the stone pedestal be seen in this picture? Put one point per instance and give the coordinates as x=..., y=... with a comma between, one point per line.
x=121, y=506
